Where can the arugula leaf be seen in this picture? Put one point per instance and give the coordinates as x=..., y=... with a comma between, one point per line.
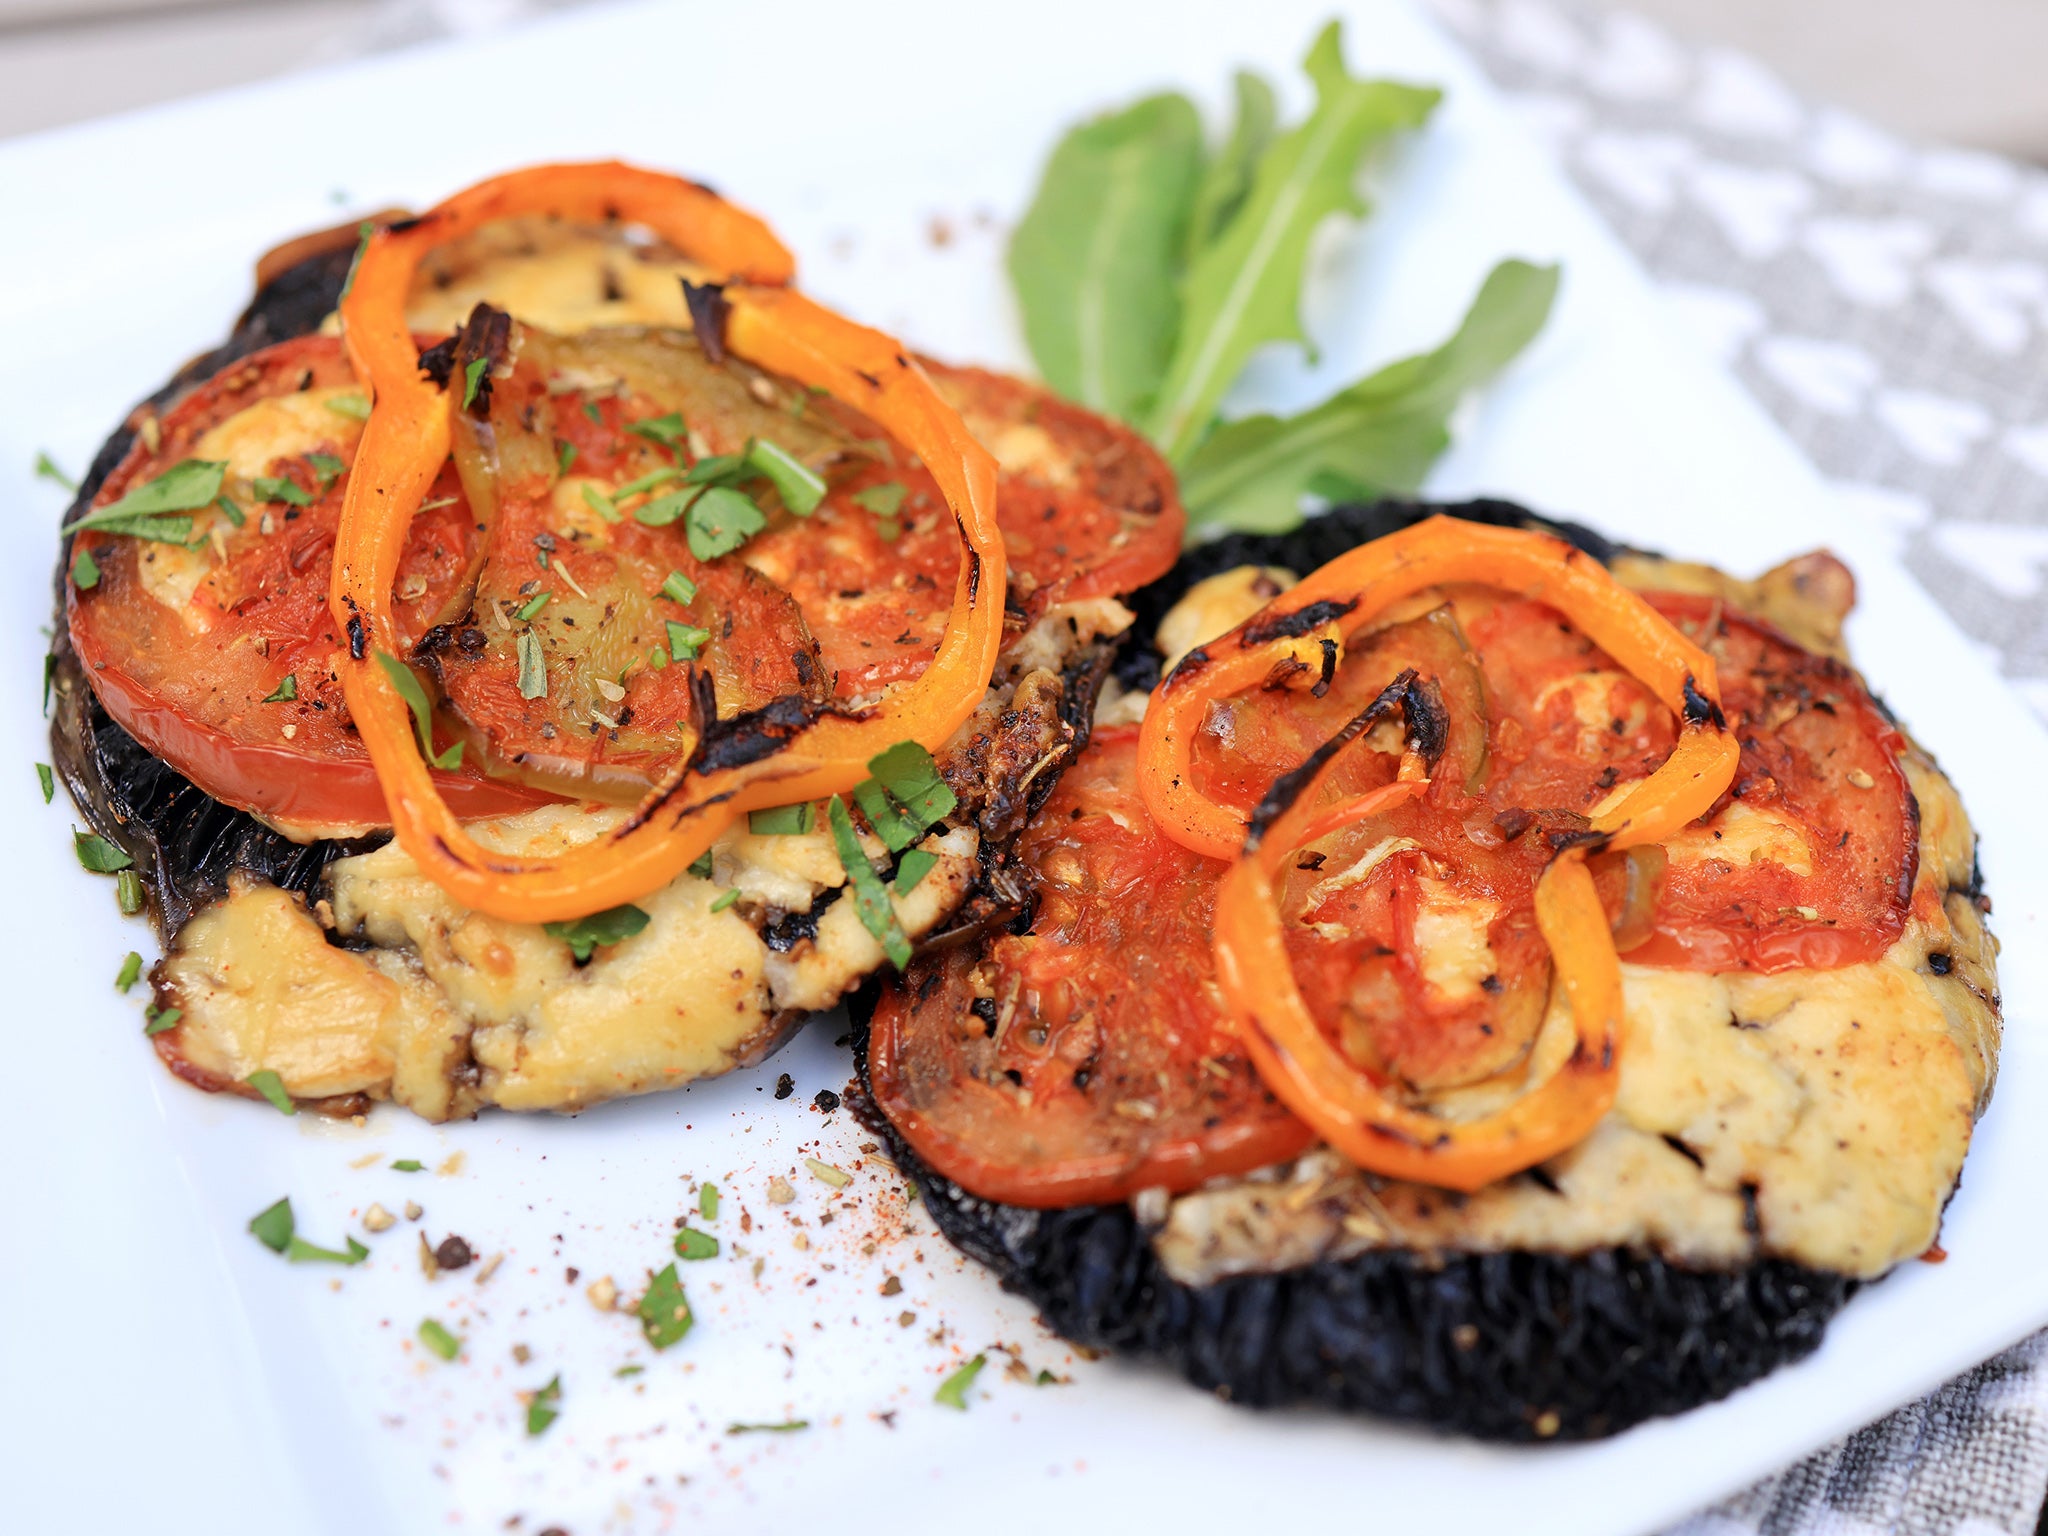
x=271, y=1086
x=1229, y=176
x=800, y=486
x=1376, y=438
x=607, y=927
x=544, y=1407
x=664, y=1310
x=439, y=1339
x=1095, y=256
x=952, y=1391
x=720, y=521
x=98, y=856
x=273, y=1225
x=692, y=1244
x=1244, y=289
x=870, y=896
x=184, y=487
x=415, y=696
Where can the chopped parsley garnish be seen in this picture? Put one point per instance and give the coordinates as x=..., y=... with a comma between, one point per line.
x=870, y=896
x=663, y=510
x=800, y=486
x=128, y=892
x=277, y=488
x=230, y=511
x=725, y=900
x=646, y=482
x=46, y=469
x=327, y=468
x=440, y=1340
x=415, y=696
x=628, y=1370
x=953, y=1390
x=685, y=640
x=667, y=430
x=98, y=855
x=544, y=1407
x=679, y=589
x=565, y=455
x=156, y=1020
x=271, y=1086
x=657, y=657
x=665, y=1310
x=906, y=796
x=85, y=571
x=299, y=1251
x=1047, y=1379
x=590, y=409
x=701, y=865
x=473, y=379
x=533, y=667
x=355, y=407
x=783, y=820
x=911, y=868
x=285, y=691
x=692, y=1244
x=48, y=780
x=599, y=503
x=530, y=609
x=707, y=1202
x=787, y=1427
x=718, y=469
x=409, y=1165
x=273, y=1226
x=720, y=521
x=131, y=972
x=142, y=513
x=884, y=500
x=608, y=927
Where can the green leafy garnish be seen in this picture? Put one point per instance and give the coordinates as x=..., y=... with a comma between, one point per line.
x=663, y=510
x=725, y=899
x=440, y=1340
x=645, y=483
x=783, y=820
x=130, y=973
x=870, y=896
x=1228, y=178
x=679, y=588
x=719, y=469
x=565, y=455
x=48, y=781
x=667, y=430
x=285, y=691
x=155, y=1020
x=692, y=1244
x=685, y=640
x=473, y=379
x=665, y=1310
x=701, y=865
x=277, y=488
x=1376, y=438
x=184, y=487
x=952, y=1391
x=299, y=1251
x=707, y=1202
x=720, y=521
x=271, y=1086
x=326, y=468
x=533, y=666
x=884, y=500
x=46, y=469
x=97, y=855
x=408, y=1165
x=128, y=892
x=628, y=1370
x=544, y=1407
x=85, y=571
x=227, y=508
x=610, y=926
x=786, y=1427
x=530, y=609
x=363, y=232
x=1095, y=258
x=600, y=503
x=1046, y=1379
x=590, y=410
x=905, y=796
x=273, y=1226
x=800, y=486
x=415, y=696
x=355, y=407
x=911, y=868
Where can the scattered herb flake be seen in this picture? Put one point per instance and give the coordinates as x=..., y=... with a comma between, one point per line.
x=274, y=1226
x=663, y=510
x=271, y=1086
x=48, y=780
x=707, y=1202
x=473, y=379
x=607, y=927
x=657, y=657
x=565, y=455
x=285, y=691
x=157, y=1020
x=130, y=973
x=911, y=868
x=533, y=667
x=1047, y=1379
x=600, y=503
x=415, y=696
x=701, y=865
x=128, y=892
x=783, y=820
x=277, y=488
x=870, y=896
x=544, y=1407
x=720, y=521
x=530, y=609
x=645, y=483
x=884, y=500
x=409, y=1165
x=327, y=468
x=800, y=486
x=439, y=1339
x=685, y=640
x=665, y=1310
x=46, y=469
x=719, y=469
x=787, y=1427
x=98, y=855
x=667, y=431
x=355, y=407
x=952, y=1391
x=230, y=511
x=85, y=571
x=825, y=1173
x=907, y=771
x=679, y=589
x=725, y=899
x=299, y=1251
x=628, y=1370
x=692, y=1244
x=590, y=410
x=363, y=232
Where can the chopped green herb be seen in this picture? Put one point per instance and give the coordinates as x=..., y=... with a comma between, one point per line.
x=544, y=1407
x=787, y=1427
x=97, y=855
x=156, y=1020
x=440, y=1340
x=906, y=795
x=685, y=640
x=48, y=780
x=657, y=657
x=953, y=1390
x=645, y=483
x=415, y=696
x=884, y=500
x=285, y=691
x=665, y=1310
x=46, y=469
x=692, y=1244
x=128, y=892
x=533, y=667
x=565, y=455
x=628, y=1370
x=679, y=589
x=888, y=530
x=667, y=430
x=911, y=868
x=274, y=1226
x=277, y=488
x=85, y=571
x=1047, y=1379
x=355, y=407
x=49, y=677
x=590, y=409
x=720, y=521
x=608, y=927
x=870, y=896
x=327, y=468
x=409, y=1165
x=131, y=972
x=299, y=1251
x=271, y=1086
x=800, y=486
x=530, y=609
x=725, y=900
x=600, y=503
x=707, y=1202
x=473, y=379
x=663, y=510
x=719, y=469
x=825, y=1173
x=783, y=820
x=184, y=487
x=230, y=511
x=363, y=232
x=701, y=865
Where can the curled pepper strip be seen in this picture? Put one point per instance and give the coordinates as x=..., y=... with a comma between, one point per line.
x=1356, y=586
x=407, y=437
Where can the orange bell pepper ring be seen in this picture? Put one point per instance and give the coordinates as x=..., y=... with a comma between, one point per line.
x=407, y=437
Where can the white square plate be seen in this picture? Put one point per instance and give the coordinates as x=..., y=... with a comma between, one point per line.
x=167, y=1373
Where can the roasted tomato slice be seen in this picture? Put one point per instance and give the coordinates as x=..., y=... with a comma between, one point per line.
x=215, y=654
x=1086, y=1060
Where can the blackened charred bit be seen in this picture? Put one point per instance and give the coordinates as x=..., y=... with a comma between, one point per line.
x=1684, y=1151
x=1289, y=786
x=826, y=1101
x=973, y=571
x=1699, y=709
x=485, y=338
x=1491, y=984
x=433, y=642
x=984, y=1009
x=437, y=363
x=1289, y=626
x=709, y=312
x=1752, y=1223
x=472, y=640
x=793, y=928
x=1329, y=669
x=452, y=1253
x=750, y=737
x=1540, y=1177
x=1312, y=861
x=358, y=638
x=1940, y=963
x=1561, y=838
x=1429, y=722
x=1513, y=822
x=806, y=669
x=1282, y=674
x=872, y=382
x=785, y=1085
x=1191, y=663
x=401, y=226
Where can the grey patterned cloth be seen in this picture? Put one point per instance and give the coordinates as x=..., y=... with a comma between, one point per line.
x=1888, y=304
